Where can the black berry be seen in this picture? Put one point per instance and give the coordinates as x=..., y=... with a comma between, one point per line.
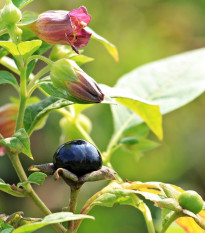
x=78, y=156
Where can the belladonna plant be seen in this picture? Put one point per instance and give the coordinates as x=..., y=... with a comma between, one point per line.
x=137, y=102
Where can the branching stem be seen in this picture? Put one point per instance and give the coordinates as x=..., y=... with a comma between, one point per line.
x=74, y=191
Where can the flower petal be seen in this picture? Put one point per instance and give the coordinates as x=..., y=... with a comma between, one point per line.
x=82, y=38
x=80, y=14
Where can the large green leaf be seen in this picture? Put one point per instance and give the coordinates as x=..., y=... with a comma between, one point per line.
x=111, y=48
x=35, y=113
x=51, y=219
x=6, y=77
x=21, y=3
x=170, y=83
x=148, y=111
x=7, y=188
x=19, y=141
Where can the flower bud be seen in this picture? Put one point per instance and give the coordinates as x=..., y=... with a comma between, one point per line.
x=10, y=14
x=67, y=75
x=63, y=27
x=8, y=114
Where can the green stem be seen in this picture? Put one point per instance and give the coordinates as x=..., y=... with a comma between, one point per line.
x=17, y=166
x=72, y=205
x=14, y=157
x=146, y=213
x=23, y=99
x=31, y=86
x=116, y=137
x=172, y=218
x=39, y=57
x=4, y=31
x=86, y=208
x=30, y=192
x=148, y=219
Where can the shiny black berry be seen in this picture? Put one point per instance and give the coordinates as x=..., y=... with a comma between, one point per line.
x=78, y=156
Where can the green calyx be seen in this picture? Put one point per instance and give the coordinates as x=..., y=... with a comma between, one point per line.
x=10, y=14
x=61, y=72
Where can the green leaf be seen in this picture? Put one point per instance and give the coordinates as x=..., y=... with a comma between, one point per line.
x=170, y=83
x=15, y=220
x=21, y=3
x=8, y=78
x=10, y=47
x=47, y=85
x=148, y=111
x=109, y=46
x=112, y=197
x=7, y=188
x=44, y=47
x=81, y=59
x=19, y=141
x=28, y=17
x=139, y=131
x=35, y=178
x=36, y=112
x=8, y=230
x=142, y=145
x=51, y=219
x=129, y=141
x=26, y=49
x=64, y=51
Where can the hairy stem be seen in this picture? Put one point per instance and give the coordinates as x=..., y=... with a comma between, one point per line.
x=39, y=57
x=30, y=192
x=23, y=99
x=14, y=157
x=35, y=78
x=74, y=191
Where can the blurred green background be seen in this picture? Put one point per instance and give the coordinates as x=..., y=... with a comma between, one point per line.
x=143, y=31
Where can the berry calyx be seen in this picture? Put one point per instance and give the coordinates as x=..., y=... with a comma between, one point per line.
x=78, y=156
x=191, y=201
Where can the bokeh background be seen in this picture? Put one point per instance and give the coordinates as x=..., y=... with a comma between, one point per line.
x=143, y=31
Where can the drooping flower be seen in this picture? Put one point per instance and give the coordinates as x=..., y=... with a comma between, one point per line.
x=67, y=75
x=63, y=27
x=8, y=114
